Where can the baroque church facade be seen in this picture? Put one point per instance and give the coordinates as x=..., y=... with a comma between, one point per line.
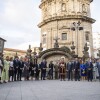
x=68, y=21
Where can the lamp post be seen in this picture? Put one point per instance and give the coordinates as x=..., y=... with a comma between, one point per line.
x=76, y=27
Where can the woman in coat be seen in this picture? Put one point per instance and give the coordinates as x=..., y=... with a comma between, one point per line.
x=5, y=74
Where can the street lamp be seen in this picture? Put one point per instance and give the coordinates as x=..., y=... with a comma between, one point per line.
x=76, y=27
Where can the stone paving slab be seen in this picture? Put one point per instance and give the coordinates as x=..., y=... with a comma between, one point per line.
x=50, y=90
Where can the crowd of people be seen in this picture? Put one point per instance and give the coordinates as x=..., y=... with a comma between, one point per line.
x=13, y=69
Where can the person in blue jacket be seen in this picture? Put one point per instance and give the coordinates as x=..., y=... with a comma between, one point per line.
x=83, y=70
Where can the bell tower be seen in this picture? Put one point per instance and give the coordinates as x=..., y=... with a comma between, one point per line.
x=70, y=21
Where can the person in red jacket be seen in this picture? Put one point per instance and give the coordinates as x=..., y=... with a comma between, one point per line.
x=62, y=69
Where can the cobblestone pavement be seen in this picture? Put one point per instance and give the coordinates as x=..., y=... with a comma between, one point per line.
x=50, y=90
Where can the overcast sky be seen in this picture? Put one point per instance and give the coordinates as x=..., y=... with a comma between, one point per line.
x=19, y=20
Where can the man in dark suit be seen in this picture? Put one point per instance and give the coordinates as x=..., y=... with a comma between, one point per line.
x=77, y=69
x=89, y=67
x=51, y=66
x=31, y=69
x=43, y=66
x=37, y=71
x=20, y=68
x=98, y=66
x=70, y=70
x=16, y=66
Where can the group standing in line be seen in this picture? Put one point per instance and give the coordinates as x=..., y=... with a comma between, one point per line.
x=74, y=69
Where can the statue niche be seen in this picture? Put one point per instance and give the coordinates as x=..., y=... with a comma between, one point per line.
x=84, y=9
x=63, y=6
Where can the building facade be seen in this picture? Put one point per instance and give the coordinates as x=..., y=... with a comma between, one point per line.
x=96, y=43
x=68, y=20
x=35, y=49
x=12, y=52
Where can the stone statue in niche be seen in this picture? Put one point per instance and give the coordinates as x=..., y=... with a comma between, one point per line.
x=63, y=7
x=84, y=8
